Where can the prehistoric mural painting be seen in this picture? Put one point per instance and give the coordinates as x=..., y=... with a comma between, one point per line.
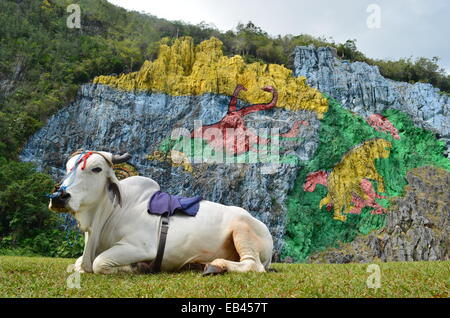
x=349, y=183
x=230, y=135
x=185, y=69
x=236, y=137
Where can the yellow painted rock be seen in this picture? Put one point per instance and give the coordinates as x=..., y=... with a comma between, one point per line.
x=185, y=69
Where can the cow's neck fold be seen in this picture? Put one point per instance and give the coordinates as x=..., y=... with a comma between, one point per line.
x=92, y=221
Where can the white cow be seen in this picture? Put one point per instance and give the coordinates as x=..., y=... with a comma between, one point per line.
x=121, y=236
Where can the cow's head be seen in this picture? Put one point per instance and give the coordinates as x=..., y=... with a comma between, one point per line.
x=90, y=178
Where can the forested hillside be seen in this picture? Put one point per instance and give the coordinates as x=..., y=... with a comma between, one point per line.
x=43, y=63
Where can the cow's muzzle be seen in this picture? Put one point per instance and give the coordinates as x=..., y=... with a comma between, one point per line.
x=58, y=203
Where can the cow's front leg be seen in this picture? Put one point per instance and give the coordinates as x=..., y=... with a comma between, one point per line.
x=79, y=262
x=120, y=259
x=78, y=267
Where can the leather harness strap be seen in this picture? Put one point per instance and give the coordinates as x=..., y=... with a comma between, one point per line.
x=164, y=226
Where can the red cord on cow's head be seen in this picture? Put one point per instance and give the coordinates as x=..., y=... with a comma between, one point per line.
x=84, y=158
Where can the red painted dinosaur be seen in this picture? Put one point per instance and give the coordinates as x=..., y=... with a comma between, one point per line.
x=236, y=137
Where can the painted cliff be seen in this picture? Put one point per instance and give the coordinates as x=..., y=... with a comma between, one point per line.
x=360, y=88
x=320, y=161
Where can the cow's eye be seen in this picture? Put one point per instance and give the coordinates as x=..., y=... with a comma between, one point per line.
x=97, y=170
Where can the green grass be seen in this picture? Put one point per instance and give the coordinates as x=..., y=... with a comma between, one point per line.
x=46, y=277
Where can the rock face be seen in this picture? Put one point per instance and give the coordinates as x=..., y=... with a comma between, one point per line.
x=417, y=227
x=104, y=118
x=360, y=88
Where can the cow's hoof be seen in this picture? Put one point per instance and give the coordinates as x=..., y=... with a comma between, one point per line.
x=142, y=267
x=213, y=270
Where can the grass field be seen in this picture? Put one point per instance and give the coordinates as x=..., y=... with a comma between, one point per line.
x=46, y=277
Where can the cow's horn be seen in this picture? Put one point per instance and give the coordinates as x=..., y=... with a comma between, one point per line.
x=116, y=159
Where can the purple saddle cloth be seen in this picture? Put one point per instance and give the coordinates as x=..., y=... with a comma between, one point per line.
x=162, y=202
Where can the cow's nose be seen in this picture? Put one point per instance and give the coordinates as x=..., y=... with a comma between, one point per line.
x=60, y=200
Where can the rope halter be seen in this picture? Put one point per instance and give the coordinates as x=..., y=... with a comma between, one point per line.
x=82, y=158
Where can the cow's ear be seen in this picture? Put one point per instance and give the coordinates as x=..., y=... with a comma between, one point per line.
x=114, y=192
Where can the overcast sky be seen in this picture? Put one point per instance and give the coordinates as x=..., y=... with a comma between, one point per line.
x=406, y=27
